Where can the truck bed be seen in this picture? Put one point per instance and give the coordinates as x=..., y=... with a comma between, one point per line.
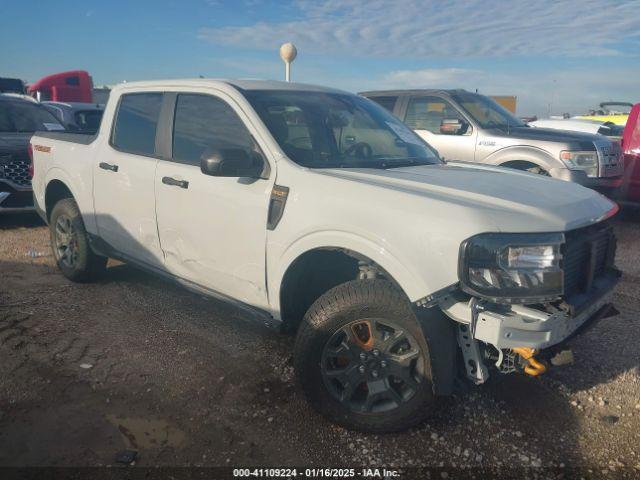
x=68, y=158
x=83, y=138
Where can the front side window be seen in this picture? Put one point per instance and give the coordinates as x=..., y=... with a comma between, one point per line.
x=486, y=112
x=328, y=130
x=204, y=124
x=18, y=117
x=428, y=113
x=136, y=123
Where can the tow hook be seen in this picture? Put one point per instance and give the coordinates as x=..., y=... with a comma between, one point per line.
x=534, y=367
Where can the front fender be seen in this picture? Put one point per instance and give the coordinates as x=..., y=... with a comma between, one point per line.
x=398, y=268
x=530, y=154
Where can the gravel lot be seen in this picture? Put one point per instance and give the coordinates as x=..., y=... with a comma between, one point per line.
x=135, y=363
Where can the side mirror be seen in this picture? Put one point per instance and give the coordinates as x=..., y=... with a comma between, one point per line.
x=232, y=162
x=453, y=126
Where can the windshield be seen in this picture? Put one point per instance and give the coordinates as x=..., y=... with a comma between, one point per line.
x=328, y=130
x=18, y=117
x=486, y=112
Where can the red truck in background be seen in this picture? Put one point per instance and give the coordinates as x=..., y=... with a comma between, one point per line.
x=630, y=190
x=72, y=86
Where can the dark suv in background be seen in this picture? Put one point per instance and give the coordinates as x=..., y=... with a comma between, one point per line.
x=19, y=119
x=77, y=117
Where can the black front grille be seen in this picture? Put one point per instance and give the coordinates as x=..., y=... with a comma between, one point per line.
x=15, y=168
x=587, y=254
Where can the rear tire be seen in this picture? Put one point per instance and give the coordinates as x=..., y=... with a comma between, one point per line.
x=375, y=382
x=70, y=244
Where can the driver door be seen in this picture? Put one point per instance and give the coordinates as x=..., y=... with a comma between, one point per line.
x=425, y=115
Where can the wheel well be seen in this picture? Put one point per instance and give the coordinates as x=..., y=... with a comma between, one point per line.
x=56, y=191
x=521, y=165
x=317, y=271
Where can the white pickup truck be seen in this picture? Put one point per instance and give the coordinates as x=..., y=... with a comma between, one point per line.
x=322, y=213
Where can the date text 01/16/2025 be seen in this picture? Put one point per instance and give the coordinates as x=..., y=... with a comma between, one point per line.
x=314, y=473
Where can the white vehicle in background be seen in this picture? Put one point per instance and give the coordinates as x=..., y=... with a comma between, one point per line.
x=608, y=129
x=319, y=211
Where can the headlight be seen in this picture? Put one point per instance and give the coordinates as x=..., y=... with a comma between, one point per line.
x=512, y=267
x=587, y=161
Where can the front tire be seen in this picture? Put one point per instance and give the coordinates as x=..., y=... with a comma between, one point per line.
x=362, y=359
x=70, y=244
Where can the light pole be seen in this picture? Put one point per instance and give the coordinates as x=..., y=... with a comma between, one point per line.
x=288, y=53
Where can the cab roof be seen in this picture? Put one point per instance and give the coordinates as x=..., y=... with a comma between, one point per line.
x=238, y=84
x=418, y=91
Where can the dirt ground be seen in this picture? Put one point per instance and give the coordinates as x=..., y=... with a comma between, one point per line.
x=135, y=363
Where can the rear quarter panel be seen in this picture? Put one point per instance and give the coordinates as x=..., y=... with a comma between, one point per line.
x=62, y=158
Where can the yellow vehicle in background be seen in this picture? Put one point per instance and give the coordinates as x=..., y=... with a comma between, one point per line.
x=614, y=112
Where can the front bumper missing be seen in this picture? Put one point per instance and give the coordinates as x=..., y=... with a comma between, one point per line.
x=509, y=328
x=522, y=326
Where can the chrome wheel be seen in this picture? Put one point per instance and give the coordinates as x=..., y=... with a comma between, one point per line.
x=372, y=365
x=66, y=242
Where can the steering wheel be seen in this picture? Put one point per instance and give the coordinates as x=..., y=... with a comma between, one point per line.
x=360, y=149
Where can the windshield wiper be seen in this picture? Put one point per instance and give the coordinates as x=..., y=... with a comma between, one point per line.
x=403, y=162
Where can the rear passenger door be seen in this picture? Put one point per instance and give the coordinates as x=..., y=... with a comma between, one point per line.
x=124, y=177
x=425, y=115
x=212, y=229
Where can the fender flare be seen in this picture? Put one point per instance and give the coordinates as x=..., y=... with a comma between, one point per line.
x=58, y=174
x=409, y=281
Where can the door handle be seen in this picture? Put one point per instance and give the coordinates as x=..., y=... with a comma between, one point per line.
x=108, y=166
x=175, y=183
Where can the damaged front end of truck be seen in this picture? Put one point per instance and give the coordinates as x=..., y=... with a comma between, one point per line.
x=522, y=296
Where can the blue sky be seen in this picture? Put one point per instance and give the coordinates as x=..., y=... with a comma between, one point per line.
x=554, y=55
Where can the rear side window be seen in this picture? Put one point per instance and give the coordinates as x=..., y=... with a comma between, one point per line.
x=204, y=123
x=427, y=113
x=386, y=102
x=136, y=123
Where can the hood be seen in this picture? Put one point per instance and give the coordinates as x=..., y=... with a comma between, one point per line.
x=550, y=135
x=586, y=126
x=511, y=200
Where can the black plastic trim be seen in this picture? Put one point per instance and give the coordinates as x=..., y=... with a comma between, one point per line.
x=278, y=201
x=440, y=334
x=164, y=132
